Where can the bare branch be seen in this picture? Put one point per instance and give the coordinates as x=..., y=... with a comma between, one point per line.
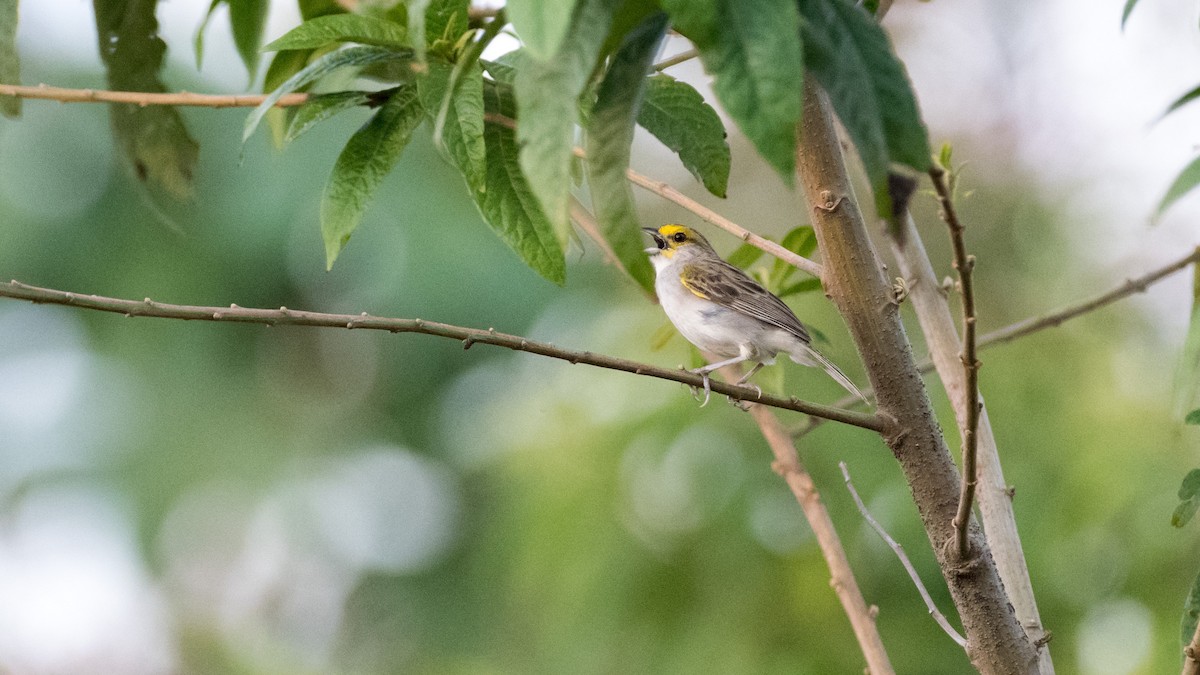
x=993, y=494
x=787, y=464
x=142, y=98
x=853, y=277
x=1057, y=318
x=908, y=566
x=468, y=336
x=666, y=191
x=964, y=264
x=587, y=222
x=679, y=58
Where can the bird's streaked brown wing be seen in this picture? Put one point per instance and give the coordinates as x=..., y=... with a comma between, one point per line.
x=726, y=285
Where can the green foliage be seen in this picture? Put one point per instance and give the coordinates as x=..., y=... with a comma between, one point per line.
x=247, y=19
x=153, y=138
x=852, y=58
x=462, y=130
x=1189, y=499
x=744, y=256
x=1191, y=614
x=676, y=114
x=10, y=63
x=802, y=241
x=362, y=166
x=509, y=205
x=541, y=25
x=1187, y=98
x=326, y=30
x=1128, y=9
x=609, y=138
x=1192, y=417
x=752, y=49
x=548, y=93
x=320, y=108
x=1184, y=183
x=350, y=57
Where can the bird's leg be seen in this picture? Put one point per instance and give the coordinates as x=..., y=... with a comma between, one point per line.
x=705, y=370
x=749, y=375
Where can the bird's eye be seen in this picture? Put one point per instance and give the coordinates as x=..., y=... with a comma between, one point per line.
x=679, y=237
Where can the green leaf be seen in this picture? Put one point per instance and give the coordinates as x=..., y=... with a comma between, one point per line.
x=548, y=96
x=153, y=138
x=661, y=337
x=283, y=65
x=676, y=114
x=508, y=204
x=311, y=9
x=852, y=58
x=462, y=133
x=10, y=63
x=1191, y=613
x=1129, y=5
x=503, y=69
x=416, y=26
x=367, y=158
x=609, y=137
x=1184, y=183
x=804, y=286
x=1187, y=98
x=445, y=21
x=1189, y=499
x=248, y=18
x=541, y=25
x=322, y=107
x=744, y=256
x=752, y=48
x=324, y=30
x=1192, y=417
x=802, y=241
x=343, y=58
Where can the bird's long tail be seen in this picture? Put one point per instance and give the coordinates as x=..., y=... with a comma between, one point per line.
x=812, y=357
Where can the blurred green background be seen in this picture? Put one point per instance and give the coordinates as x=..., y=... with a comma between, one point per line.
x=192, y=497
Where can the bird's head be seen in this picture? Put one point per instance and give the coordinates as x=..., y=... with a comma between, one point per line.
x=671, y=239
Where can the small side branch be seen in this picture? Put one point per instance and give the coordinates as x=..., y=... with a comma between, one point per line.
x=787, y=464
x=965, y=264
x=666, y=191
x=1057, y=318
x=908, y=566
x=468, y=336
x=679, y=58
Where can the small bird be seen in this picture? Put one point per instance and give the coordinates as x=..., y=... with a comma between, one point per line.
x=721, y=310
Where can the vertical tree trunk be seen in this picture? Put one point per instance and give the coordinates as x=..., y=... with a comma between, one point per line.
x=853, y=276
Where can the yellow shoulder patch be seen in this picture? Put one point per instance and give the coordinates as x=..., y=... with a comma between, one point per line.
x=690, y=284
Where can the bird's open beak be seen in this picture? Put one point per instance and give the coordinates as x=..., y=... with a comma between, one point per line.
x=660, y=242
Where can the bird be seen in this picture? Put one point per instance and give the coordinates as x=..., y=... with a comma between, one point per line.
x=724, y=312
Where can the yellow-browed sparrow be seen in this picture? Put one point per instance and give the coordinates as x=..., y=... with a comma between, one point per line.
x=721, y=310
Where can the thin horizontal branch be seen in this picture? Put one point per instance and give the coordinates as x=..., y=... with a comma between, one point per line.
x=1053, y=319
x=468, y=336
x=144, y=98
x=1035, y=324
x=908, y=566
